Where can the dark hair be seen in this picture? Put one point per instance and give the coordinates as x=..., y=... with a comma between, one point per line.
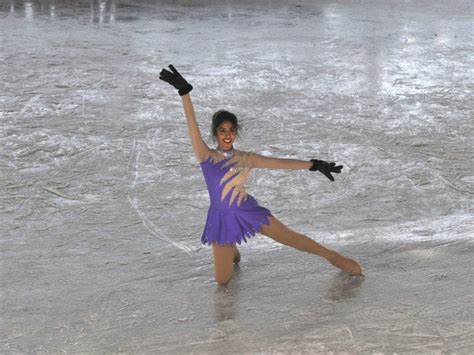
x=224, y=116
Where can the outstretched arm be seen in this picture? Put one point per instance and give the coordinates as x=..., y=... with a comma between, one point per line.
x=200, y=148
x=260, y=161
x=174, y=78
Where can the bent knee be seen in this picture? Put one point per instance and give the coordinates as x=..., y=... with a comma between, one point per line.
x=223, y=280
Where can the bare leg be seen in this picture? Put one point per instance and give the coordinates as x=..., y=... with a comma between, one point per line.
x=282, y=234
x=223, y=262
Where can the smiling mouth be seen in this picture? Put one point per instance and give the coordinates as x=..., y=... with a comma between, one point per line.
x=227, y=140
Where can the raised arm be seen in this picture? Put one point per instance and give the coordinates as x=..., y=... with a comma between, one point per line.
x=174, y=78
x=200, y=148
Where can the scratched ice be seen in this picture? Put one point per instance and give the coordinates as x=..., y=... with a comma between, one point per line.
x=103, y=203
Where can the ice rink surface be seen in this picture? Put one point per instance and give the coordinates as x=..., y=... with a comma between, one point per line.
x=103, y=202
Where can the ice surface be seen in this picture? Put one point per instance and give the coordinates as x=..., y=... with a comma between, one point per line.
x=102, y=202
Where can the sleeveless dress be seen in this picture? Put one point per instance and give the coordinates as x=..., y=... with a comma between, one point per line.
x=233, y=214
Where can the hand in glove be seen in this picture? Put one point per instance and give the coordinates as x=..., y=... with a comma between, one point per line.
x=174, y=78
x=326, y=168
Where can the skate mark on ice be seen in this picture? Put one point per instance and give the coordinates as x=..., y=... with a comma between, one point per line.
x=152, y=228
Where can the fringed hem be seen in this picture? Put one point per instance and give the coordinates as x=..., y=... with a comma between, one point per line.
x=231, y=227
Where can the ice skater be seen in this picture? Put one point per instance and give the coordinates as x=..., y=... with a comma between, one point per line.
x=233, y=214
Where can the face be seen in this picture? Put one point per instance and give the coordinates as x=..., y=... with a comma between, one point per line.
x=226, y=134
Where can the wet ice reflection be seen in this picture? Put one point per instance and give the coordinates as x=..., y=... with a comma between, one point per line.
x=102, y=202
x=344, y=286
x=101, y=11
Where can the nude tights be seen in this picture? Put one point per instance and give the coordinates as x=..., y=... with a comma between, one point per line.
x=224, y=256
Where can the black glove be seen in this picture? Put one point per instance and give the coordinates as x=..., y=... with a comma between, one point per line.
x=326, y=168
x=175, y=79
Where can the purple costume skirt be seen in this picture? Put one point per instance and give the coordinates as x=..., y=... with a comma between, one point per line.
x=232, y=225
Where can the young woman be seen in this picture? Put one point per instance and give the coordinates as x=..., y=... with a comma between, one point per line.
x=233, y=214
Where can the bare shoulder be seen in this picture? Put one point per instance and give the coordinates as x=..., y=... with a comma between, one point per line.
x=204, y=155
x=212, y=155
x=245, y=158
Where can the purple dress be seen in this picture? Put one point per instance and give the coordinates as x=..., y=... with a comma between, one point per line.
x=233, y=214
